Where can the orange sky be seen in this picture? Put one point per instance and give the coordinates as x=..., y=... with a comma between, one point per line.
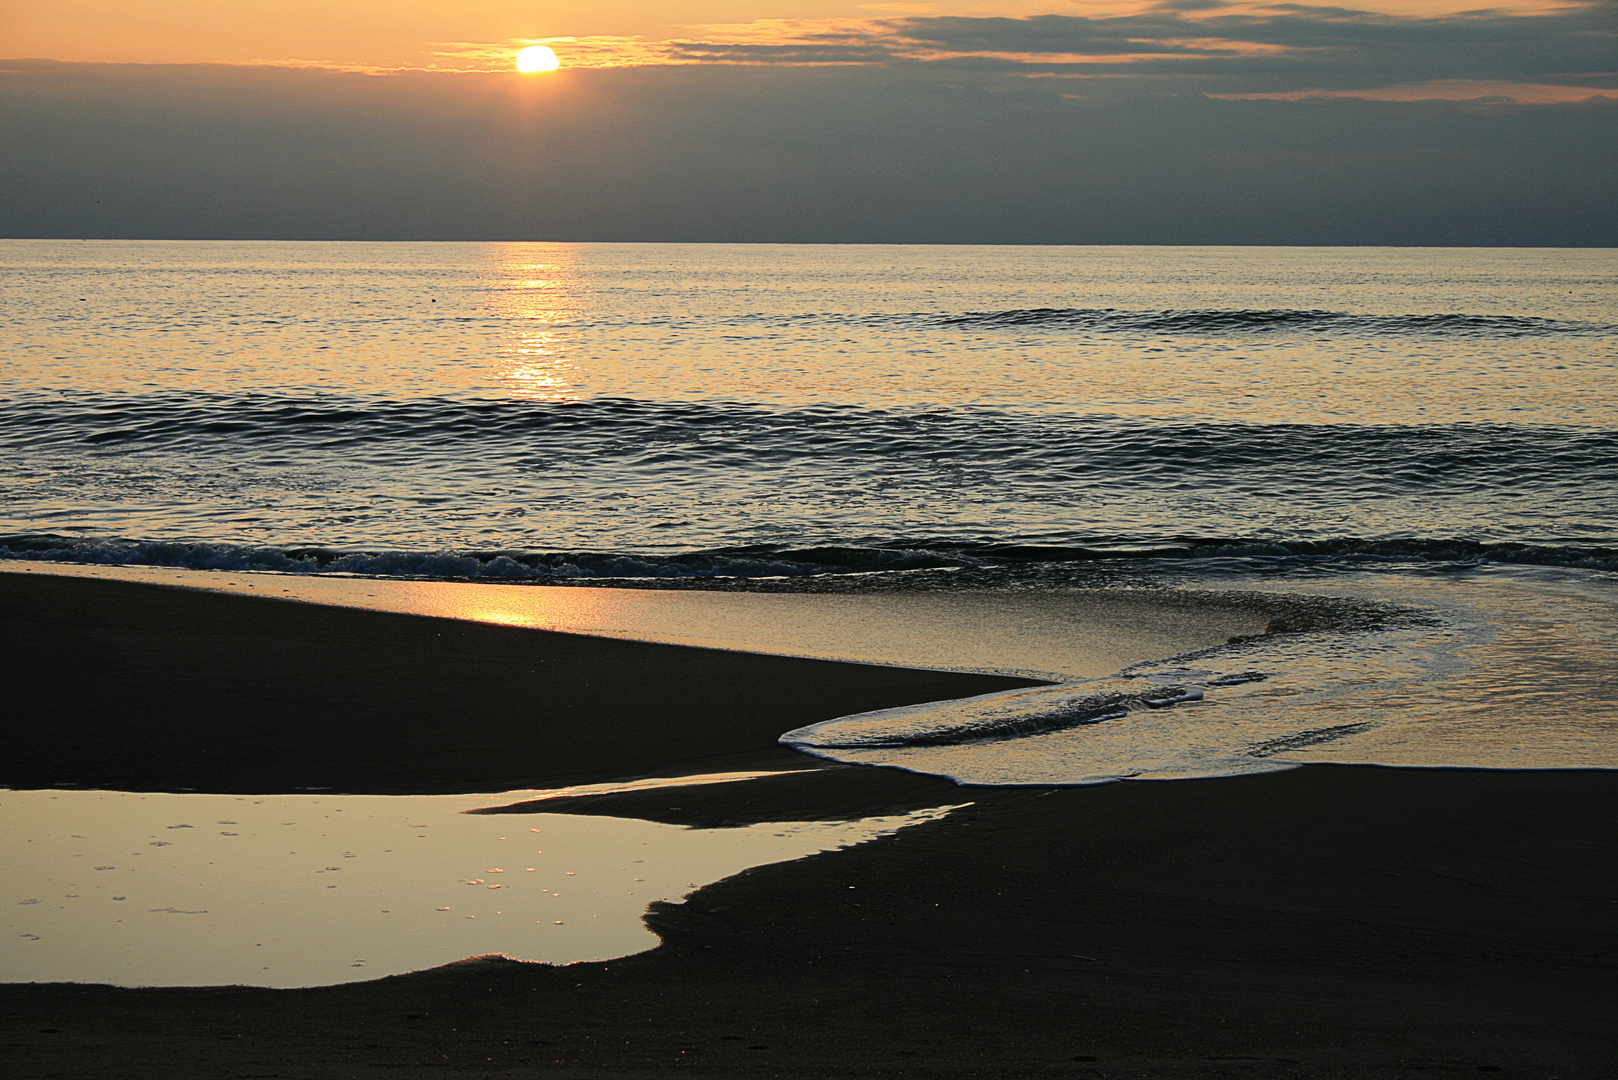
x=467, y=33
x=814, y=120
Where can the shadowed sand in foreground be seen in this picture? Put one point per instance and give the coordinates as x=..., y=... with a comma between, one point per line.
x=1326, y=921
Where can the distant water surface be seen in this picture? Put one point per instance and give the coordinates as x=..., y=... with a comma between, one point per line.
x=667, y=399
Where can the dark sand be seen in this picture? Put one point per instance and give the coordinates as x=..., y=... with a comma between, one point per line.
x=1327, y=921
x=133, y=687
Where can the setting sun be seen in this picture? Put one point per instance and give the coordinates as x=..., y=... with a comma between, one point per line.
x=537, y=58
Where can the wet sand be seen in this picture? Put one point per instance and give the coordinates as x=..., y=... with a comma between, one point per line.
x=1326, y=921
x=136, y=687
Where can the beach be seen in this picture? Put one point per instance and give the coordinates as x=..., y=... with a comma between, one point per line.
x=330, y=698
x=855, y=478
x=1327, y=920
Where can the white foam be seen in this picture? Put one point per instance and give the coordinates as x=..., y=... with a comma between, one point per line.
x=1510, y=667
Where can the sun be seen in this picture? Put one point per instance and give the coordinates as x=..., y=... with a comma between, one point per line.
x=537, y=58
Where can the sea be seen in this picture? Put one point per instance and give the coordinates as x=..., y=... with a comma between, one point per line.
x=1412, y=451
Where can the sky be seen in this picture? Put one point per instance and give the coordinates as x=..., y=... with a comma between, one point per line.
x=1049, y=121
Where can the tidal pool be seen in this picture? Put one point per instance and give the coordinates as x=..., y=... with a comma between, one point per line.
x=308, y=890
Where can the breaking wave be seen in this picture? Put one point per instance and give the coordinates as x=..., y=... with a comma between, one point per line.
x=992, y=717
x=782, y=562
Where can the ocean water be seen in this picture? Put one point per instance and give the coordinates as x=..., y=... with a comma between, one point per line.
x=1416, y=449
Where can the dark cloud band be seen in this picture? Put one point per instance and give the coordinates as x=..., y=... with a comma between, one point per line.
x=1284, y=47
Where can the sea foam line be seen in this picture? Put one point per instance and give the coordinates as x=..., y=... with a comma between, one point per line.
x=1009, y=714
x=790, y=561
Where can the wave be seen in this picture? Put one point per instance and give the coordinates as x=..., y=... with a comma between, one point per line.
x=1440, y=677
x=1111, y=320
x=621, y=488
x=741, y=563
x=990, y=717
x=1094, y=320
x=1005, y=715
x=899, y=558
x=666, y=437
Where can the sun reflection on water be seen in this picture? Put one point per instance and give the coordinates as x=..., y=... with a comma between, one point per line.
x=540, y=291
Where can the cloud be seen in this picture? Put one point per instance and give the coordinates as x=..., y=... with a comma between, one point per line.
x=1290, y=47
x=735, y=52
x=1471, y=91
x=764, y=152
x=1182, y=45
x=1335, y=47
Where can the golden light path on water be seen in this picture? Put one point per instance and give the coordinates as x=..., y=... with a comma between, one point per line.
x=538, y=298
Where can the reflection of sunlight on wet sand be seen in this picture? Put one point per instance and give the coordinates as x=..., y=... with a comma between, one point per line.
x=309, y=890
x=1060, y=634
x=1505, y=667
x=540, y=290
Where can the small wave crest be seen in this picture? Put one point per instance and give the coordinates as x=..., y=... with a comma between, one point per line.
x=1111, y=320
x=897, y=559
x=1057, y=456
x=740, y=563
